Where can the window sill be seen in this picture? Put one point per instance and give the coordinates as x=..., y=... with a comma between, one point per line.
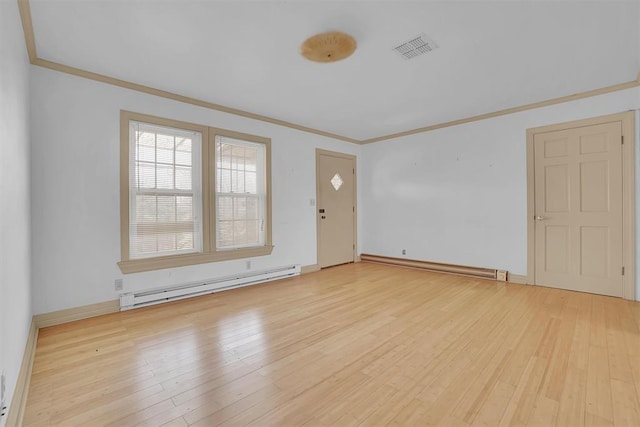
x=158, y=263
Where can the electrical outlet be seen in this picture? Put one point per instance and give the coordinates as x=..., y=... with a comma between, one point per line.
x=249, y=265
x=501, y=275
x=404, y=252
x=118, y=284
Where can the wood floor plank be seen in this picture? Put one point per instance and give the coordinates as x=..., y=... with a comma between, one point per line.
x=559, y=354
x=359, y=344
x=572, y=402
x=207, y=415
x=626, y=407
x=599, y=384
x=544, y=413
x=384, y=414
x=598, y=323
x=143, y=416
x=580, y=342
x=619, y=365
x=494, y=405
x=591, y=420
x=524, y=397
x=178, y=422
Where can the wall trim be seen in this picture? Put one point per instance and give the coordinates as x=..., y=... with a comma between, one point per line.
x=506, y=111
x=29, y=35
x=461, y=270
x=181, y=98
x=306, y=269
x=27, y=28
x=77, y=313
x=517, y=279
x=21, y=392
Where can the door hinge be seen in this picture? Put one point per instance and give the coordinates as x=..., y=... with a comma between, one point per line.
x=354, y=171
x=354, y=209
x=354, y=246
x=622, y=139
x=623, y=271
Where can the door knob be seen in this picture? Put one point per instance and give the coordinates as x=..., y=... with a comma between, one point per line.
x=323, y=217
x=540, y=218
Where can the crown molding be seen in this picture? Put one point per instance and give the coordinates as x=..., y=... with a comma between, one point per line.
x=560, y=100
x=29, y=36
x=27, y=28
x=181, y=98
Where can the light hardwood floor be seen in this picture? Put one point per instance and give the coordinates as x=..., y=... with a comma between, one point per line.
x=356, y=344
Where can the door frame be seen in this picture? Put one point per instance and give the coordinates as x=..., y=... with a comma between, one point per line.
x=355, y=199
x=627, y=120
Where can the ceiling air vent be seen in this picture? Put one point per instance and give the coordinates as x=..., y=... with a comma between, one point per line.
x=416, y=46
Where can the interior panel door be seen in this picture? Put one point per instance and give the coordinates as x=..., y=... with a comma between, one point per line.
x=578, y=209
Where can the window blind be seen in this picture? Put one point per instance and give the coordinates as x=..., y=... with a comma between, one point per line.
x=165, y=191
x=240, y=193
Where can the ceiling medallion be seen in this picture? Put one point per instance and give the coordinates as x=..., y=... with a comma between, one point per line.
x=328, y=47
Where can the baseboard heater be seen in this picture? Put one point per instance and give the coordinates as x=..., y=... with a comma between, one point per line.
x=484, y=273
x=129, y=301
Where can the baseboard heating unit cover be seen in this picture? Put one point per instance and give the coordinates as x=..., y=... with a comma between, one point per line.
x=132, y=300
x=463, y=270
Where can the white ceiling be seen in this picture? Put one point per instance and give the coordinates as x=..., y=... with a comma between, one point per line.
x=245, y=55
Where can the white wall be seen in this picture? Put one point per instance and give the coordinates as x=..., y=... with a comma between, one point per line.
x=75, y=197
x=459, y=195
x=15, y=285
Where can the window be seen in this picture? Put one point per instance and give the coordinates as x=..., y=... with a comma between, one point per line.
x=240, y=193
x=164, y=192
x=191, y=194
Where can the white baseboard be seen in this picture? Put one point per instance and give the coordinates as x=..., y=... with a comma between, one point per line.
x=309, y=268
x=20, y=394
x=77, y=313
x=518, y=279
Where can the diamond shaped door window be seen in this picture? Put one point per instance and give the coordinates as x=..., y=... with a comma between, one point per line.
x=337, y=181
